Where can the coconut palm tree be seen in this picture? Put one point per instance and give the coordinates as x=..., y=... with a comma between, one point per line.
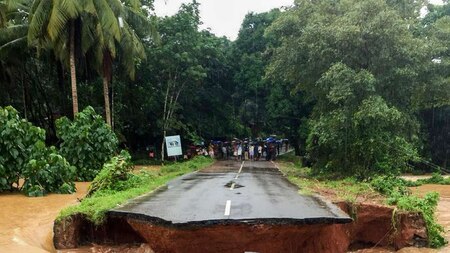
x=52, y=26
x=111, y=27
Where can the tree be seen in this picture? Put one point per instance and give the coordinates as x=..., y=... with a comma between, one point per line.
x=358, y=61
x=251, y=55
x=112, y=30
x=52, y=24
x=177, y=62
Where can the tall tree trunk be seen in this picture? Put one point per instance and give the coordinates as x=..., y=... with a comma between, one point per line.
x=107, y=67
x=106, y=96
x=163, y=146
x=73, y=74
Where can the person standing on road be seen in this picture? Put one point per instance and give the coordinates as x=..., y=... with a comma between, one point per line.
x=260, y=150
x=239, y=152
x=245, y=151
x=224, y=152
x=251, y=152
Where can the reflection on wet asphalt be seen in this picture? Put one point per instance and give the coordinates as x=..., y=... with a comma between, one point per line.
x=259, y=193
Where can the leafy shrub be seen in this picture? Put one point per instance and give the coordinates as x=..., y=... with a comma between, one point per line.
x=436, y=178
x=388, y=185
x=113, y=174
x=48, y=171
x=23, y=154
x=427, y=206
x=87, y=142
x=397, y=192
x=18, y=140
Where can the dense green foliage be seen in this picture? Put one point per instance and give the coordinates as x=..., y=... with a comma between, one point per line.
x=48, y=171
x=86, y=142
x=23, y=155
x=361, y=74
x=359, y=87
x=19, y=140
x=113, y=174
x=96, y=206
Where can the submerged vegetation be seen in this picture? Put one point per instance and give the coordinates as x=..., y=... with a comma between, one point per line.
x=106, y=193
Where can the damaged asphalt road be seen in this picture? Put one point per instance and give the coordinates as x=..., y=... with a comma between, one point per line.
x=231, y=192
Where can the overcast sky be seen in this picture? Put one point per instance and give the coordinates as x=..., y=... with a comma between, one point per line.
x=224, y=17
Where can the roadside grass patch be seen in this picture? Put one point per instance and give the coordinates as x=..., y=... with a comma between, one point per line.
x=390, y=190
x=97, y=205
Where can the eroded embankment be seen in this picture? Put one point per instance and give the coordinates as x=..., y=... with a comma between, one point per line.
x=372, y=225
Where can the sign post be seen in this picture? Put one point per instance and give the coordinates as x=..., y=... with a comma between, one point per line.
x=173, y=145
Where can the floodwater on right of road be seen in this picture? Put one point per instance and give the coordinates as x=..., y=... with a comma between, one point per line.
x=442, y=212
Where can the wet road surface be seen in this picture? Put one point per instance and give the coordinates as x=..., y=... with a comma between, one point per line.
x=232, y=192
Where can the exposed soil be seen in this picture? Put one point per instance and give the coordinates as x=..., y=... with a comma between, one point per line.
x=372, y=227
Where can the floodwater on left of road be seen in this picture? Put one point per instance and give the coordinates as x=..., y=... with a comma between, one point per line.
x=26, y=223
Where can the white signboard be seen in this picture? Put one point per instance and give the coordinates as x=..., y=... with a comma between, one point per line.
x=173, y=144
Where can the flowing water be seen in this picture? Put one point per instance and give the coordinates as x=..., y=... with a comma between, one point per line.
x=443, y=208
x=26, y=223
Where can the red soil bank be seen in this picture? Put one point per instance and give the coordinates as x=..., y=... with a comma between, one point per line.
x=373, y=225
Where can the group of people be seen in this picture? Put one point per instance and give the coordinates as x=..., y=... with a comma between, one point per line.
x=245, y=150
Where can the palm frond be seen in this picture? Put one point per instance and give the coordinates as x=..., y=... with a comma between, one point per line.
x=58, y=20
x=88, y=36
x=71, y=8
x=39, y=20
x=107, y=19
x=116, y=6
x=13, y=42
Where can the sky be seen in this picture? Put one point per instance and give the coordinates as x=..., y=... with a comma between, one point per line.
x=224, y=17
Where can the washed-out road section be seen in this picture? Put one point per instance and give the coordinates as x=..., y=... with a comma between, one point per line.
x=231, y=192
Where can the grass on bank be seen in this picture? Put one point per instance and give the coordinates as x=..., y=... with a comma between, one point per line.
x=95, y=206
x=382, y=189
x=348, y=189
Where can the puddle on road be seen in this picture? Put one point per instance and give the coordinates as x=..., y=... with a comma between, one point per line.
x=229, y=184
x=26, y=223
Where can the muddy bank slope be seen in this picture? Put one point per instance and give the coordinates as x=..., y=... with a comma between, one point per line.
x=373, y=225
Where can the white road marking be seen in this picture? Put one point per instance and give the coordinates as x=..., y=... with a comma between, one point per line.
x=227, y=208
x=240, y=169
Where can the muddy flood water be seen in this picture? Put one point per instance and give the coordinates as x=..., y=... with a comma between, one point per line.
x=26, y=223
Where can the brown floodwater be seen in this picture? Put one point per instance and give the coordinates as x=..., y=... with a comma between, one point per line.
x=442, y=212
x=26, y=223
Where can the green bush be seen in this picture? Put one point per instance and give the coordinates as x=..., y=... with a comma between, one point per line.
x=397, y=193
x=23, y=155
x=87, y=142
x=427, y=206
x=18, y=140
x=113, y=175
x=388, y=185
x=436, y=178
x=48, y=171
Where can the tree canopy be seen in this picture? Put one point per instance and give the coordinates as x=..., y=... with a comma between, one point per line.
x=358, y=87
